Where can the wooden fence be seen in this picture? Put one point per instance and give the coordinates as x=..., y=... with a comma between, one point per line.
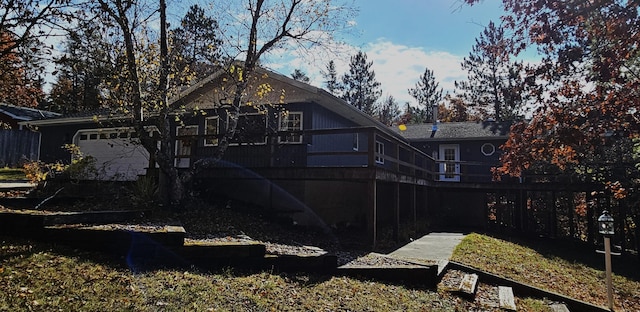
x=16, y=146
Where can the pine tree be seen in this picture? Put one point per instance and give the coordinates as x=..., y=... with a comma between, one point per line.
x=389, y=111
x=492, y=77
x=360, y=86
x=299, y=75
x=331, y=78
x=196, y=44
x=84, y=71
x=427, y=94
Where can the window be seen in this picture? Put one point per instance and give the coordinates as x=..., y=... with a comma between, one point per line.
x=488, y=149
x=251, y=129
x=379, y=152
x=211, y=130
x=292, y=122
x=356, y=142
x=185, y=137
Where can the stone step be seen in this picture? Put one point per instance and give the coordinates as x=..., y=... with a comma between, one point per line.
x=469, y=285
x=559, y=307
x=506, y=298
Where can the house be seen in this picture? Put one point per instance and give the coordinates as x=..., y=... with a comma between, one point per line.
x=11, y=115
x=465, y=151
x=299, y=151
x=18, y=144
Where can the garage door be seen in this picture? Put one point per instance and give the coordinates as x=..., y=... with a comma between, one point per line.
x=117, y=151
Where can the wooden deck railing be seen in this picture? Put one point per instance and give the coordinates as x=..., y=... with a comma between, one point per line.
x=357, y=147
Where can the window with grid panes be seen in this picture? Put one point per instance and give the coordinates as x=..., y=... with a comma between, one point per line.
x=291, y=122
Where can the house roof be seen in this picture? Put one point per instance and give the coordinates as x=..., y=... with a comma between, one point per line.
x=19, y=113
x=296, y=92
x=452, y=131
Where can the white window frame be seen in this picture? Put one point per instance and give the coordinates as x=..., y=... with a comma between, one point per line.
x=356, y=141
x=183, y=160
x=450, y=168
x=252, y=143
x=493, y=149
x=211, y=141
x=284, y=125
x=379, y=152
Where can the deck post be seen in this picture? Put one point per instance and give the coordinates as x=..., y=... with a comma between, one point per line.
x=372, y=211
x=396, y=212
x=414, y=200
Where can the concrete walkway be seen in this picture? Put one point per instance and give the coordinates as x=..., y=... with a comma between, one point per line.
x=436, y=247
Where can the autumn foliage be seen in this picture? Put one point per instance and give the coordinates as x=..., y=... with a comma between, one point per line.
x=15, y=87
x=586, y=88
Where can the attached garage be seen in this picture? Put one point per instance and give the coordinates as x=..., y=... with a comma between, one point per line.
x=118, y=153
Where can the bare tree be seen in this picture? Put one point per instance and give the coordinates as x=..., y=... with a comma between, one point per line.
x=263, y=26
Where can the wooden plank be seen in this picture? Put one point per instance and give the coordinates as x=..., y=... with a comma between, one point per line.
x=469, y=284
x=506, y=298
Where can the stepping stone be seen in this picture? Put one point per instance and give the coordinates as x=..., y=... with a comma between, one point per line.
x=559, y=307
x=506, y=298
x=469, y=284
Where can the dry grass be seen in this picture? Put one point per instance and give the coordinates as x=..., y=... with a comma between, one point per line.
x=42, y=277
x=37, y=277
x=554, y=267
x=10, y=174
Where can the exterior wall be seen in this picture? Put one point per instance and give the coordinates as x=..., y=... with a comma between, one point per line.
x=276, y=154
x=55, y=137
x=17, y=146
x=478, y=170
x=344, y=142
x=317, y=203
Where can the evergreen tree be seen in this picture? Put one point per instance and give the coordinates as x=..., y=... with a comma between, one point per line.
x=360, y=86
x=83, y=71
x=389, y=111
x=299, y=75
x=427, y=94
x=493, y=80
x=331, y=78
x=196, y=44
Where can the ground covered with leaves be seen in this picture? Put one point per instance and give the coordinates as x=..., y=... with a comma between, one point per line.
x=573, y=271
x=36, y=276
x=44, y=277
x=40, y=277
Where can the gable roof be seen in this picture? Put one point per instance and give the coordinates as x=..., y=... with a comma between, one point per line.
x=202, y=94
x=456, y=131
x=296, y=92
x=19, y=113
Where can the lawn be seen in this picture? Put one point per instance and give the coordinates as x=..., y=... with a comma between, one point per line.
x=35, y=277
x=561, y=268
x=42, y=277
x=11, y=174
x=47, y=277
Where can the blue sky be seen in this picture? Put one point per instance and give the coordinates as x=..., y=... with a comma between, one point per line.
x=402, y=38
x=441, y=25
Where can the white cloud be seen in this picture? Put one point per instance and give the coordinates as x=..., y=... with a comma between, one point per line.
x=397, y=67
